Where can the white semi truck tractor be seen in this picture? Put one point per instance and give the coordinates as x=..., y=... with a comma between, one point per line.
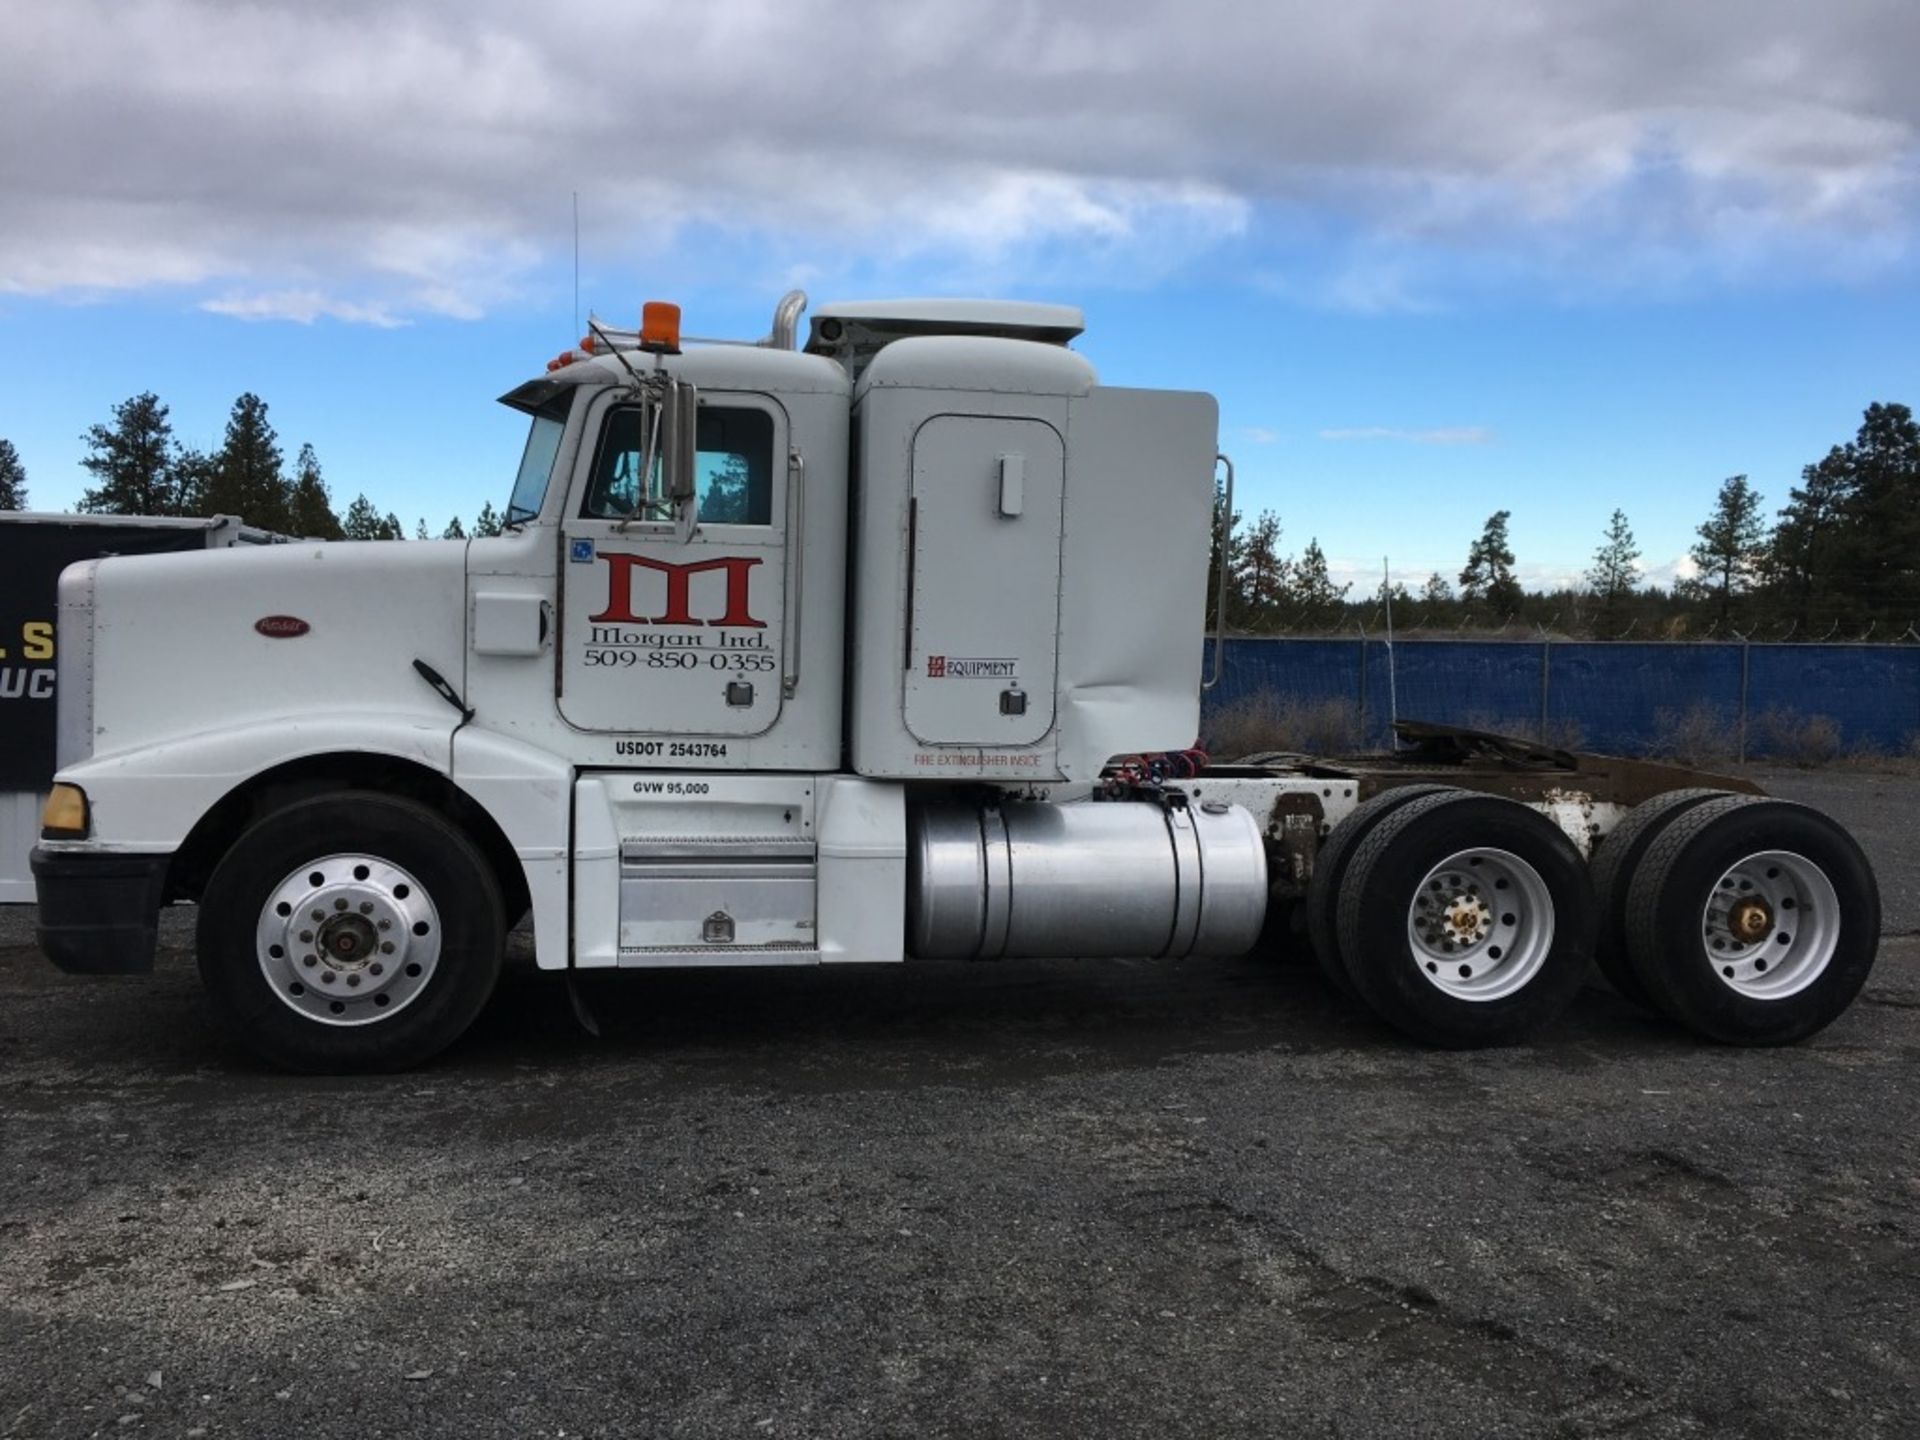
x=886, y=646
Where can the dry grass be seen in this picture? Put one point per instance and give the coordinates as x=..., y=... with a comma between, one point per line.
x=1700, y=736
x=1786, y=734
x=1269, y=721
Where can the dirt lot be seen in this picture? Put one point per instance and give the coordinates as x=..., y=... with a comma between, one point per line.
x=1104, y=1199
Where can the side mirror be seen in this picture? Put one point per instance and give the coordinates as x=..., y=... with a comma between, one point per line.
x=679, y=430
x=679, y=444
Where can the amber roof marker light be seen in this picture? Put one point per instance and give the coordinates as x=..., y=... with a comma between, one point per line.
x=660, y=327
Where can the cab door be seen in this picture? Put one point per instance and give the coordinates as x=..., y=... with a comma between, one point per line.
x=669, y=636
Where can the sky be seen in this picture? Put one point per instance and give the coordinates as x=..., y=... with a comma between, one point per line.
x=1550, y=256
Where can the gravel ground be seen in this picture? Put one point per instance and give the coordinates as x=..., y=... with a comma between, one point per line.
x=1106, y=1198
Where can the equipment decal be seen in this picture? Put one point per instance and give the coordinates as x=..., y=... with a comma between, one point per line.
x=968, y=667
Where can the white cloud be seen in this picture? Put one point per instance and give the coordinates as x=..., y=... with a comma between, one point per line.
x=1440, y=435
x=1671, y=572
x=303, y=307
x=1260, y=434
x=400, y=160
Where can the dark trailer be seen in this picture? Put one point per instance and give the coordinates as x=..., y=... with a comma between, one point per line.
x=34, y=548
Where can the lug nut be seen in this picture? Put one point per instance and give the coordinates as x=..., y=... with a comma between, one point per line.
x=340, y=904
x=306, y=937
x=366, y=907
x=386, y=924
x=376, y=968
x=386, y=947
x=326, y=977
x=353, y=981
x=319, y=915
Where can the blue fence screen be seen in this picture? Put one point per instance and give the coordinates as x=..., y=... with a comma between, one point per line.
x=1606, y=696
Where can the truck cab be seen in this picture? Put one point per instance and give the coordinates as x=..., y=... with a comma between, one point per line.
x=758, y=611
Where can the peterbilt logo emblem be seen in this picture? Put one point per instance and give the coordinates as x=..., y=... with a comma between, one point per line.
x=736, y=604
x=281, y=627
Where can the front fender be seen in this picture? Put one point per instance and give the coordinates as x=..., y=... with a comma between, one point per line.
x=529, y=793
x=148, y=799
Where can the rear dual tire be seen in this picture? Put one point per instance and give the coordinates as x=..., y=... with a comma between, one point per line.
x=1752, y=921
x=1330, y=870
x=1615, y=863
x=1465, y=920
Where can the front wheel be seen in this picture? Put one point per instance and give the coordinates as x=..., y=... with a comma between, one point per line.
x=351, y=932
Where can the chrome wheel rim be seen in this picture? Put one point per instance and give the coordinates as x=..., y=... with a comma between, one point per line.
x=1480, y=925
x=348, y=940
x=1771, y=925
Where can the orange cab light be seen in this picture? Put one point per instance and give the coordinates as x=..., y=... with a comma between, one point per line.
x=588, y=344
x=660, y=327
x=560, y=361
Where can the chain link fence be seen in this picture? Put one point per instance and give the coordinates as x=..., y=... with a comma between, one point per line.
x=1695, y=702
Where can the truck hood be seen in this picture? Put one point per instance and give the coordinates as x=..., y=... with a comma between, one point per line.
x=184, y=644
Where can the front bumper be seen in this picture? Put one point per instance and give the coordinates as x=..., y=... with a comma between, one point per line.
x=99, y=913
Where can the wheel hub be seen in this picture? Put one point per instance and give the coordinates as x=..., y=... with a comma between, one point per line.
x=1770, y=925
x=1481, y=924
x=348, y=940
x=1749, y=920
x=1466, y=919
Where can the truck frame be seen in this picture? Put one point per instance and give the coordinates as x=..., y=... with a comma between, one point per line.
x=886, y=646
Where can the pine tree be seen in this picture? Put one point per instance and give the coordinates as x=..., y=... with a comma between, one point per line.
x=247, y=480
x=391, y=528
x=1877, y=547
x=454, y=531
x=362, y=521
x=420, y=529
x=1436, y=591
x=1488, y=574
x=191, y=475
x=133, y=461
x=1799, y=559
x=1259, y=575
x=488, y=524
x=13, y=478
x=309, y=506
x=1615, y=571
x=1312, y=588
x=1729, y=549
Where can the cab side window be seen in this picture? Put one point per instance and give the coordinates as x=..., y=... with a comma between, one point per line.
x=733, y=469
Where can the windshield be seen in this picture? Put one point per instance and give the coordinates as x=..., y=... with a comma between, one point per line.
x=536, y=465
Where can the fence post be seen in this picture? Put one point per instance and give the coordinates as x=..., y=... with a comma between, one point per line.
x=1364, y=731
x=1546, y=680
x=1745, y=647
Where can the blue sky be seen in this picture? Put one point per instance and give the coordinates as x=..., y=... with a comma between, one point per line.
x=1549, y=257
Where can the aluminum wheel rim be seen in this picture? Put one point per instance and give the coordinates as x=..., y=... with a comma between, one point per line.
x=1771, y=925
x=1481, y=925
x=348, y=940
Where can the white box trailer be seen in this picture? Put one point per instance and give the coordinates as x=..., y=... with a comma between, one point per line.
x=35, y=546
x=887, y=647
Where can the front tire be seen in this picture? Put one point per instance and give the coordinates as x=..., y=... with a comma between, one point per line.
x=1754, y=922
x=1466, y=920
x=351, y=932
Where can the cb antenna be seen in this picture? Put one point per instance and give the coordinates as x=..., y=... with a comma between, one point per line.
x=576, y=260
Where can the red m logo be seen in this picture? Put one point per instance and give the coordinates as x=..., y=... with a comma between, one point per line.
x=678, y=611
